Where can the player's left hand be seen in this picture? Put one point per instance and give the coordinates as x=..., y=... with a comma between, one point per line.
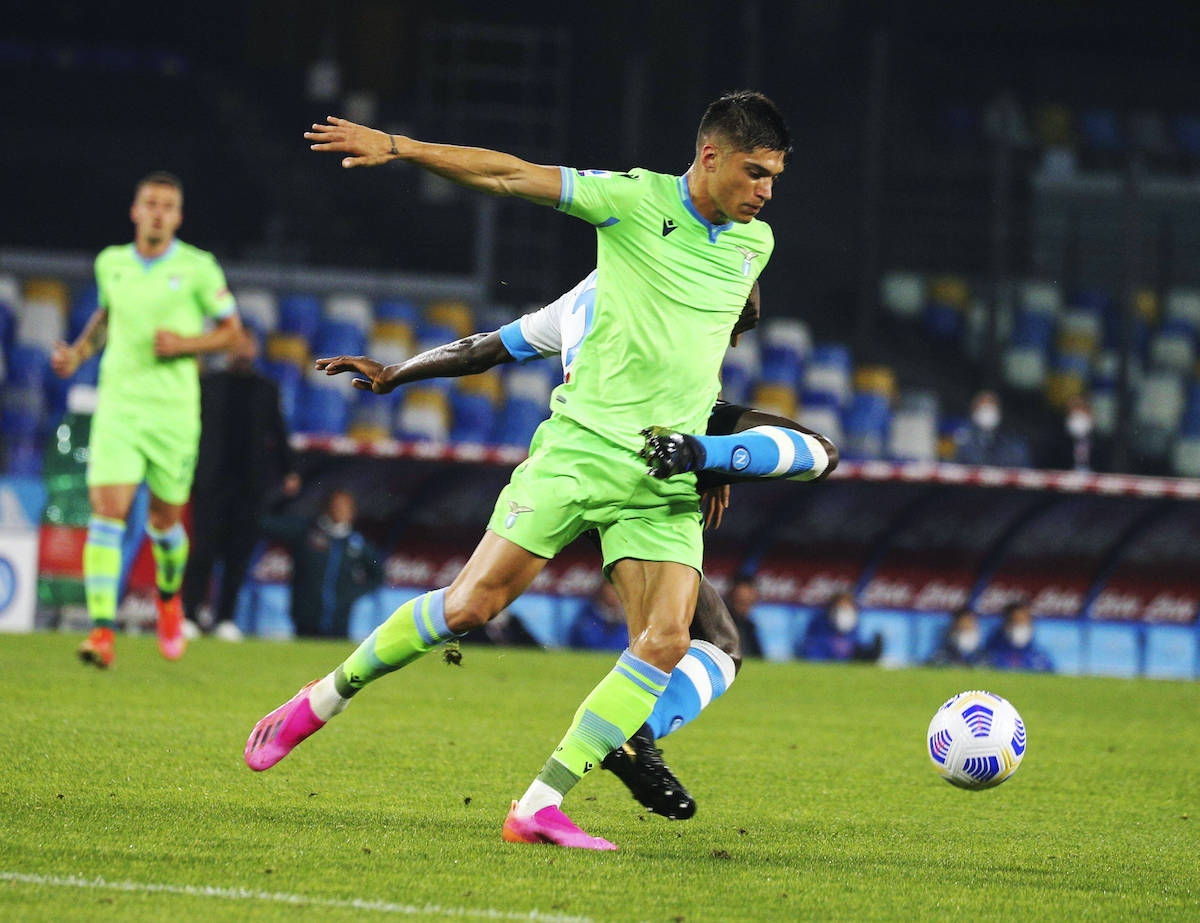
x=367, y=147
x=713, y=504
x=168, y=344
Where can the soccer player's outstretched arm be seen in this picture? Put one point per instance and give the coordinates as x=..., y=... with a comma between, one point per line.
x=468, y=356
x=66, y=358
x=474, y=167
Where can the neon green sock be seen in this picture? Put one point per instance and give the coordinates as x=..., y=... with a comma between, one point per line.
x=170, y=557
x=412, y=631
x=610, y=714
x=102, y=569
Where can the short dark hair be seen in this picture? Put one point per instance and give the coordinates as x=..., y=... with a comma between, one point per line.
x=159, y=178
x=747, y=120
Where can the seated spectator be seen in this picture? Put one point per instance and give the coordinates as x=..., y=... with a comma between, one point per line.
x=985, y=442
x=601, y=624
x=833, y=635
x=743, y=595
x=1011, y=646
x=961, y=645
x=1077, y=447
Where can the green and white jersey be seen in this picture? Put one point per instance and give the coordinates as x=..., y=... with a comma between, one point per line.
x=670, y=286
x=176, y=292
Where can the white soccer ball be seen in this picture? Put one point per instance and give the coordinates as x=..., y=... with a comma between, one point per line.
x=976, y=740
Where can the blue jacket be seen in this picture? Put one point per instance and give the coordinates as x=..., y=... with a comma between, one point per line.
x=1000, y=653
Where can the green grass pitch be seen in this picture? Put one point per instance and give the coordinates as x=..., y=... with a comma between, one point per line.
x=123, y=796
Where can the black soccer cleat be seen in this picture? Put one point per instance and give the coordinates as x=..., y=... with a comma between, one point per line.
x=639, y=764
x=670, y=453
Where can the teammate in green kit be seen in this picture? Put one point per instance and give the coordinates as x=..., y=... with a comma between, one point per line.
x=676, y=259
x=155, y=295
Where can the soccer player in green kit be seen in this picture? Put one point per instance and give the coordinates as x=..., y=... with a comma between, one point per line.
x=677, y=256
x=155, y=295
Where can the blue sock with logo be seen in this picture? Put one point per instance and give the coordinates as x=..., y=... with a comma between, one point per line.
x=766, y=452
x=704, y=673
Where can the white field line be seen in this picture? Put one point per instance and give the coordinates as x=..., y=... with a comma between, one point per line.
x=299, y=900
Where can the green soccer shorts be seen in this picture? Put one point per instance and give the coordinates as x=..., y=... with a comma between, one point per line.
x=575, y=480
x=128, y=447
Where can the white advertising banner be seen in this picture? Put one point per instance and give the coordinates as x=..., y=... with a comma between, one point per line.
x=18, y=579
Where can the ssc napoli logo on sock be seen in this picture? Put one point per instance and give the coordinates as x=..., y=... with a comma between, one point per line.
x=740, y=459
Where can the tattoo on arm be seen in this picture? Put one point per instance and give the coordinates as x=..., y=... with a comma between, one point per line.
x=91, y=340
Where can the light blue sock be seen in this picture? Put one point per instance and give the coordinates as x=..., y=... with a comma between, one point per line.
x=704, y=673
x=767, y=452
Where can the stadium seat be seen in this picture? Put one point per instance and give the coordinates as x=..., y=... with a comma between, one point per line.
x=1160, y=400
x=779, y=628
x=349, y=309
x=1148, y=134
x=1024, y=367
x=778, y=399
x=528, y=383
x=1171, y=651
x=825, y=419
x=52, y=291
x=1184, y=304
x=431, y=335
x=453, y=314
x=424, y=414
x=903, y=294
x=287, y=377
x=41, y=324
x=1190, y=424
x=1062, y=640
x=1185, y=456
x=877, y=379
x=28, y=366
x=785, y=345
x=1145, y=306
x=865, y=424
x=1104, y=408
x=740, y=368
x=8, y=327
x=339, y=338
x=10, y=291
x=828, y=373
x=270, y=615
x=23, y=413
x=735, y=384
x=1079, y=332
x=1067, y=379
x=288, y=347
x=398, y=310
x=518, y=420
x=23, y=456
x=1111, y=649
x=943, y=320
x=489, y=383
x=299, y=315
x=474, y=417
x=977, y=320
x=896, y=630
x=1040, y=298
x=952, y=430
x=1100, y=131
x=913, y=435
x=1033, y=329
x=321, y=409
x=1052, y=126
x=389, y=351
x=1173, y=347
x=258, y=308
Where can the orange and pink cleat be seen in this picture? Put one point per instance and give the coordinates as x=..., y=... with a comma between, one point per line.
x=276, y=735
x=550, y=825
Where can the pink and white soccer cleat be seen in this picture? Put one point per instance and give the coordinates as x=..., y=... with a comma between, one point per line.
x=549, y=825
x=276, y=735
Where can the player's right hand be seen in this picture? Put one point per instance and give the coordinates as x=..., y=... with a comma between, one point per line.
x=361, y=364
x=367, y=147
x=64, y=360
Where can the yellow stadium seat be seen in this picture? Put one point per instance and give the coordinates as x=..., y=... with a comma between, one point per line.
x=951, y=290
x=1077, y=343
x=777, y=399
x=1062, y=386
x=453, y=314
x=51, y=290
x=288, y=347
x=487, y=383
x=877, y=379
x=1145, y=305
x=1052, y=126
x=368, y=432
x=394, y=331
x=947, y=448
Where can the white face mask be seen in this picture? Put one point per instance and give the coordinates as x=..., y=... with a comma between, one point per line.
x=1020, y=635
x=845, y=618
x=335, y=529
x=1079, y=424
x=987, y=416
x=967, y=642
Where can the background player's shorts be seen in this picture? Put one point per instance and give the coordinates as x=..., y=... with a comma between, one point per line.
x=575, y=480
x=127, y=448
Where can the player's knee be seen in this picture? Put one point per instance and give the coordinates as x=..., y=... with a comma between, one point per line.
x=662, y=646
x=471, y=608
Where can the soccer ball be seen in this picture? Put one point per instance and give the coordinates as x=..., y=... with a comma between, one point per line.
x=976, y=740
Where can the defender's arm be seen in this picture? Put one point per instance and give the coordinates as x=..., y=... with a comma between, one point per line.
x=468, y=356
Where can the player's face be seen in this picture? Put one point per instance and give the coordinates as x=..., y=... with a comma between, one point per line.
x=157, y=213
x=741, y=183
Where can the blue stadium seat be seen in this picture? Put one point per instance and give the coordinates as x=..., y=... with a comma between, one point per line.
x=778, y=628
x=943, y=321
x=1033, y=329
x=398, y=309
x=321, y=410
x=474, y=417
x=8, y=328
x=1190, y=425
x=287, y=378
x=300, y=314
x=23, y=456
x=865, y=426
x=927, y=633
x=1100, y=131
x=735, y=383
x=516, y=424
x=896, y=630
x=365, y=616
x=22, y=414
x=28, y=367
x=1112, y=649
x=543, y=617
x=271, y=614
x=431, y=335
x=1062, y=640
x=338, y=338
x=1171, y=651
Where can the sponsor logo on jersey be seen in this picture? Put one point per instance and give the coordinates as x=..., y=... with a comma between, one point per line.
x=668, y=226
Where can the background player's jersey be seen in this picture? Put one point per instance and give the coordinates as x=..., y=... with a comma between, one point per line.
x=175, y=292
x=557, y=329
x=669, y=288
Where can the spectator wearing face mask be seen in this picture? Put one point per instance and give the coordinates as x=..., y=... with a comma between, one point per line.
x=986, y=442
x=1078, y=448
x=833, y=635
x=962, y=644
x=1011, y=646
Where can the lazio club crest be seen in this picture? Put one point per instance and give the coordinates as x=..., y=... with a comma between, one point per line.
x=515, y=510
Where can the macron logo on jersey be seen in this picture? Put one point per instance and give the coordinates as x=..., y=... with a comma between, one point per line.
x=668, y=226
x=748, y=256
